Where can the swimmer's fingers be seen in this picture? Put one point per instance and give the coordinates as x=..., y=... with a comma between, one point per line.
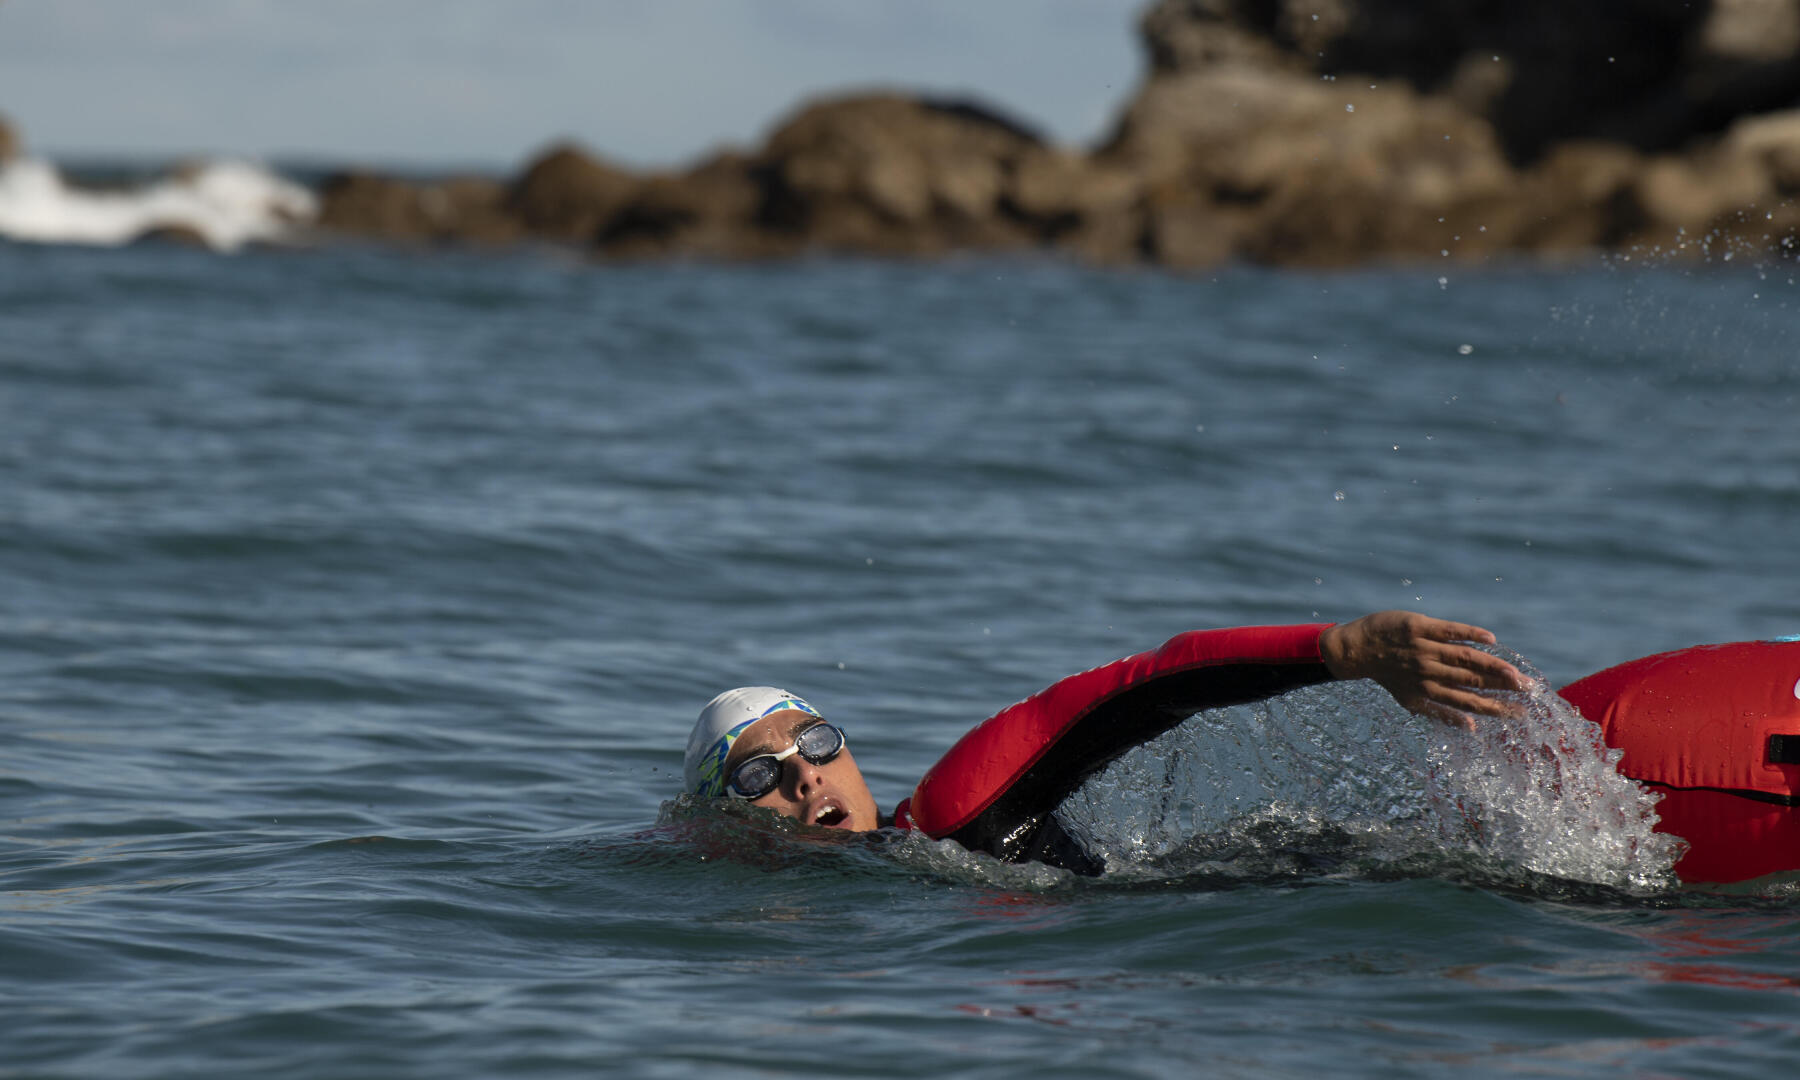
x=1471, y=667
x=1455, y=706
x=1479, y=704
x=1445, y=630
x=1455, y=680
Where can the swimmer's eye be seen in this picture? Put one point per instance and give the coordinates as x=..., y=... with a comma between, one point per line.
x=755, y=777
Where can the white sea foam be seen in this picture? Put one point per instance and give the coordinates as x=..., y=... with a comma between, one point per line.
x=227, y=203
x=1540, y=792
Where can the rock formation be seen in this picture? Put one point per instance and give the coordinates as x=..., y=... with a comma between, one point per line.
x=1327, y=131
x=1315, y=132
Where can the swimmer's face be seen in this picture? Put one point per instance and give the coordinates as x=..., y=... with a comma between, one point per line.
x=833, y=795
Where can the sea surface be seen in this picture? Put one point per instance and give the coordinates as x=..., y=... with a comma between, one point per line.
x=355, y=605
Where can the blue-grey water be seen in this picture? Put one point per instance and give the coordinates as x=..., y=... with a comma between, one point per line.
x=354, y=607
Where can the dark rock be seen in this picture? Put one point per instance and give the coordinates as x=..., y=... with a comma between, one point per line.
x=373, y=206
x=173, y=234
x=474, y=208
x=1086, y=206
x=568, y=194
x=1653, y=74
x=1246, y=160
x=1581, y=196
x=887, y=174
x=1769, y=144
x=462, y=209
x=712, y=211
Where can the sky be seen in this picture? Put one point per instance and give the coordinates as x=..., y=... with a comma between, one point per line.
x=487, y=83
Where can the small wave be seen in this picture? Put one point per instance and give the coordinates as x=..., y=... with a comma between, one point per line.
x=732, y=834
x=225, y=204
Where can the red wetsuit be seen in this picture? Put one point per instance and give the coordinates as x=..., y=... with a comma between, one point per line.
x=1716, y=729
x=995, y=790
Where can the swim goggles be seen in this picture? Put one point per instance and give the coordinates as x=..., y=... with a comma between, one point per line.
x=757, y=776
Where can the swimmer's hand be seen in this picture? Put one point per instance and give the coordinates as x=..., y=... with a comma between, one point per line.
x=1419, y=660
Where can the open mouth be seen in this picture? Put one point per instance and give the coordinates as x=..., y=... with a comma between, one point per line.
x=831, y=816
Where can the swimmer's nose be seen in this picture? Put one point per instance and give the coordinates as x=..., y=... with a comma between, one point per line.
x=805, y=775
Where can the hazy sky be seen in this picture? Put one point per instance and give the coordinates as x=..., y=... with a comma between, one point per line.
x=648, y=82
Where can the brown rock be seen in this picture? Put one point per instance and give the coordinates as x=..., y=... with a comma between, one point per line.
x=9, y=143
x=378, y=207
x=174, y=234
x=1687, y=195
x=1616, y=69
x=1184, y=231
x=567, y=194
x=1751, y=30
x=712, y=210
x=460, y=209
x=888, y=174
x=470, y=210
x=1085, y=205
x=1580, y=197
x=1770, y=143
x=1051, y=184
x=1299, y=170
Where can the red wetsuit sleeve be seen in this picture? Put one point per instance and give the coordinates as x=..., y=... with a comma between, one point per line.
x=996, y=787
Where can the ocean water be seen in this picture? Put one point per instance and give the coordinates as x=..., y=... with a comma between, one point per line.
x=356, y=605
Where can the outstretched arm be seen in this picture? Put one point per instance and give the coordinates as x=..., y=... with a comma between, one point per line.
x=1423, y=663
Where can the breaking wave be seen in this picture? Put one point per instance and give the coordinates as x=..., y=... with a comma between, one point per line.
x=223, y=204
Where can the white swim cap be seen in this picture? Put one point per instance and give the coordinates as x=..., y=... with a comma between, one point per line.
x=720, y=724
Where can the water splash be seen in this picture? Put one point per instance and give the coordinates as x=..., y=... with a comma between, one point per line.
x=1342, y=771
x=225, y=204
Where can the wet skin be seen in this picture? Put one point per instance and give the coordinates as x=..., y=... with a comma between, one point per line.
x=833, y=795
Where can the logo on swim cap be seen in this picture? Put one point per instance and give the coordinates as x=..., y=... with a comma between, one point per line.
x=721, y=723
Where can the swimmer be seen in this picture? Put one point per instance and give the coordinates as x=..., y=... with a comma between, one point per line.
x=995, y=789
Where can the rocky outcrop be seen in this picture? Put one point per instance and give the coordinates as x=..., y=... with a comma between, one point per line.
x=1245, y=160
x=874, y=173
x=1312, y=132
x=1328, y=131
x=1652, y=74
